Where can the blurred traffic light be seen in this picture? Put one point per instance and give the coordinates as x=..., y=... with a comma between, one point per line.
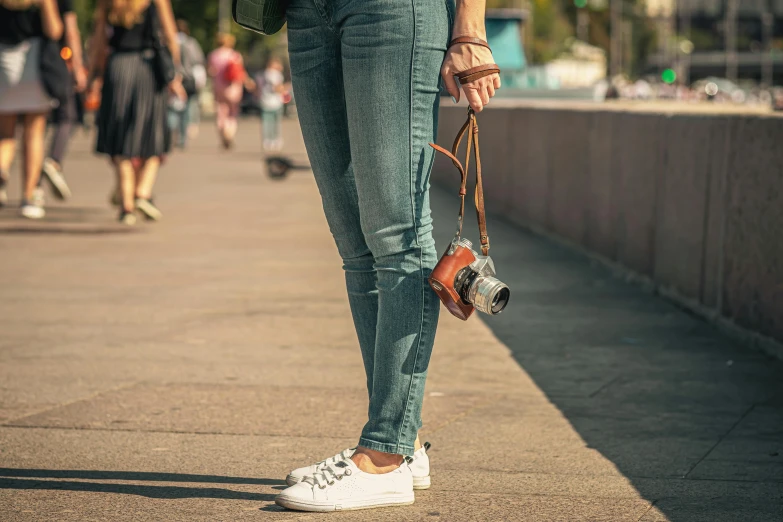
x=580, y=3
x=669, y=76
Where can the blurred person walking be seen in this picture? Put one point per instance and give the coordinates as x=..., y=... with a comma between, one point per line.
x=24, y=24
x=132, y=126
x=272, y=87
x=185, y=113
x=366, y=76
x=226, y=68
x=65, y=115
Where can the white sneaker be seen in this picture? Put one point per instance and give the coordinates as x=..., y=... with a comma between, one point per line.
x=420, y=467
x=149, y=209
x=53, y=173
x=31, y=211
x=343, y=486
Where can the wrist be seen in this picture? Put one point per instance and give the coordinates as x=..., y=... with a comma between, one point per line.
x=475, y=29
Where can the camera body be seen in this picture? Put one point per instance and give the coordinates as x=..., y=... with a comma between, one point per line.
x=465, y=281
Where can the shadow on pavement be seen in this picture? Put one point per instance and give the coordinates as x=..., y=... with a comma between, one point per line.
x=66, y=230
x=169, y=492
x=133, y=475
x=680, y=410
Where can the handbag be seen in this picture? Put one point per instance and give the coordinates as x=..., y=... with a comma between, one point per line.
x=55, y=77
x=262, y=16
x=234, y=72
x=162, y=60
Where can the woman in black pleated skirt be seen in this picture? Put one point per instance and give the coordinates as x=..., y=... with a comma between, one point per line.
x=132, y=126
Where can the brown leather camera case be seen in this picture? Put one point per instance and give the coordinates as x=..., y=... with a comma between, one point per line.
x=442, y=281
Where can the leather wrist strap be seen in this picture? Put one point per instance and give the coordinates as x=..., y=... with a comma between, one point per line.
x=469, y=40
x=474, y=73
x=472, y=126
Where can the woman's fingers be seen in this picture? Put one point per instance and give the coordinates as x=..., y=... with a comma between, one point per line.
x=473, y=97
x=449, y=82
x=479, y=92
x=484, y=91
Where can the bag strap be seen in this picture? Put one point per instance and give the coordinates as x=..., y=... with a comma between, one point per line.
x=471, y=127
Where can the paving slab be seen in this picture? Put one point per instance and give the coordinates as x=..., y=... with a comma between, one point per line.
x=179, y=370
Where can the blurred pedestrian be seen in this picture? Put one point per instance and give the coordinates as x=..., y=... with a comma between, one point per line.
x=132, y=126
x=366, y=78
x=229, y=79
x=272, y=86
x=65, y=115
x=24, y=24
x=184, y=113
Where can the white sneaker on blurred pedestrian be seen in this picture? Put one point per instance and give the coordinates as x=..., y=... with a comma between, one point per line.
x=54, y=175
x=420, y=467
x=30, y=210
x=343, y=486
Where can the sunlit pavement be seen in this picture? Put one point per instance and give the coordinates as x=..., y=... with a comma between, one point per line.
x=178, y=370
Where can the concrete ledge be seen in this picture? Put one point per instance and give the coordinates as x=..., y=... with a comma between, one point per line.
x=689, y=200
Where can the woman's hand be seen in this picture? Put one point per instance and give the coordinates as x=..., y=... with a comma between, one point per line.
x=461, y=57
x=176, y=88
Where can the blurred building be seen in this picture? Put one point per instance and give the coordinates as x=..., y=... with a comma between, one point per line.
x=725, y=41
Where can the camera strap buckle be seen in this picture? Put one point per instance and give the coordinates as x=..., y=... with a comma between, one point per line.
x=472, y=126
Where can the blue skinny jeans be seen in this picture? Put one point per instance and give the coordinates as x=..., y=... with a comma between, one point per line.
x=366, y=78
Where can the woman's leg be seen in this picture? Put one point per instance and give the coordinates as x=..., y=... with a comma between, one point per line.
x=7, y=142
x=230, y=127
x=391, y=60
x=126, y=181
x=377, y=174
x=34, y=134
x=146, y=176
x=277, y=129
x=7, y=149
x=221, y=113
x=317, y=75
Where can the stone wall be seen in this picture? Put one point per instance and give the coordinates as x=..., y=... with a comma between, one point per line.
x=692, y=200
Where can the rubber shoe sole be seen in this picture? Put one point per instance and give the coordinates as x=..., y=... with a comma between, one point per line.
x=60, y=187
x=148, y=209
x=399, y=499
x=419, y=483
x=32, y=212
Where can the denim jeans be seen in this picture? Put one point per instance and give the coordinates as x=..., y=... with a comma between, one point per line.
x=366, y=78
x=270, y=120
x=178, y=123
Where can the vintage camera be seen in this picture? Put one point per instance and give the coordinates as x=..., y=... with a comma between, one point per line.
x=465, y=280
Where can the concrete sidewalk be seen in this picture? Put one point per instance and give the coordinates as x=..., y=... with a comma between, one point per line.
x=178, y=371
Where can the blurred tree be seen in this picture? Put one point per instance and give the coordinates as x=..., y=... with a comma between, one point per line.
x=643, y=33
x=554, y=22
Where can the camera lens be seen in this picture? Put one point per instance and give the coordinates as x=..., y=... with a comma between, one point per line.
x=500, y=300
x=489, y=295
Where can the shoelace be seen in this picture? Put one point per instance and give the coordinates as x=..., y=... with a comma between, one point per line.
x=343, y=455
x=326, y=477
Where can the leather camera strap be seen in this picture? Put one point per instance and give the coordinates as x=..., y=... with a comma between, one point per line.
x=469, y=40
x=474, y=73
x=471, y=127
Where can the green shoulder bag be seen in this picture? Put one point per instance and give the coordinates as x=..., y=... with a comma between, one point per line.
x=261, y=16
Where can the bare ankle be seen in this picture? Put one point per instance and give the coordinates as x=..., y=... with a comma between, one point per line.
x=375, y=462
